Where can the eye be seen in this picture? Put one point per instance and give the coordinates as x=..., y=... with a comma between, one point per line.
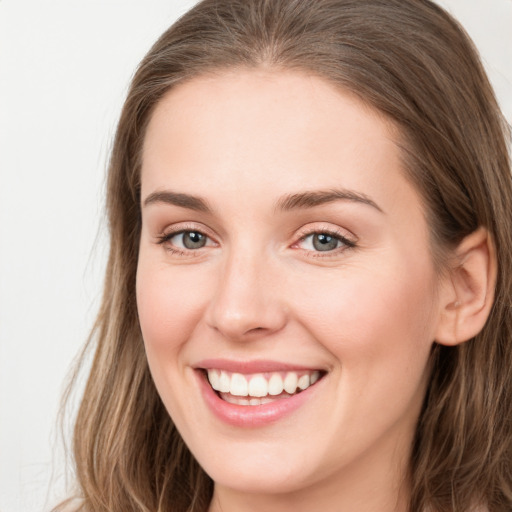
x=189, y=240
x=324, y=241
x=185, y=240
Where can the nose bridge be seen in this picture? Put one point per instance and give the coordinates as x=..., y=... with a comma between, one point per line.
x=247, y=299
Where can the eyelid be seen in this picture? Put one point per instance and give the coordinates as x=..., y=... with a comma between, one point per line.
x=348, y=239
x=176, y=229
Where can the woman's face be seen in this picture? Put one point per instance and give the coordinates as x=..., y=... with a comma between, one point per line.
x=282, y=246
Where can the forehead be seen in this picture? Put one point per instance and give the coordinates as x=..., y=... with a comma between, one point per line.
x=262, y=132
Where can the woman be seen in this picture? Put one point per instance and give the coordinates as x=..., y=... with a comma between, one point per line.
x=307, y=300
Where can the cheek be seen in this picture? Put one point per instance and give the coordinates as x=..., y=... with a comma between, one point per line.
x=372, y=313
x=378, y=326
x=170, y=305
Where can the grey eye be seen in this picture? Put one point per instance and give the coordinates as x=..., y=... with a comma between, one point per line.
x=324, y=242
x=193, y=240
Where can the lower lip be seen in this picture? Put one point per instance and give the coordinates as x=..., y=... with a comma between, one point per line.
x=252, y=415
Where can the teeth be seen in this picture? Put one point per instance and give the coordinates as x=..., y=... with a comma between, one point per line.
x=275, y=385
x=224, y=383
x=246, y=401
x=214, y=378
x=290, y=382
x=239, y=386
x=303, y=382
x=258, y=386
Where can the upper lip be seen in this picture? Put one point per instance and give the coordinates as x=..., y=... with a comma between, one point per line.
x=248, y=367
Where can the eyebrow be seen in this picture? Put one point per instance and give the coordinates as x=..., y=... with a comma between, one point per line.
x=310, y=199
x=178, y=199
x=302, y=200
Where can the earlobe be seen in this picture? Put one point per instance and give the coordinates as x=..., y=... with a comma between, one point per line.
x=468, y=291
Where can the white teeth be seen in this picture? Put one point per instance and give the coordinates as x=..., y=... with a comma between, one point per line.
x=224, y=382
x=236, y=400
x=290, y=382
x=303, y=382
x=239, y=386
x=260, y=388
x=275, y=385
x=214, y=378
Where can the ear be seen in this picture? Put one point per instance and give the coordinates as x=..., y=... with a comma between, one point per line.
x=467, y=292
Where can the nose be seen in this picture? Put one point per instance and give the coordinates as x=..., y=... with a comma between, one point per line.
x=247, y=300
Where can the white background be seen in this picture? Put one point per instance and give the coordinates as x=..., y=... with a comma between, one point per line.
x=64, y=69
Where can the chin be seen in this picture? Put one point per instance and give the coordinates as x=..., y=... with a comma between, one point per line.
x=253, y=479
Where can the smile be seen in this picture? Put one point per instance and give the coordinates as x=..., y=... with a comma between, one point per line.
x=256, y=393
x=260, y=388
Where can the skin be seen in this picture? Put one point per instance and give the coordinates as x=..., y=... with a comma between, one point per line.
x=260, y=290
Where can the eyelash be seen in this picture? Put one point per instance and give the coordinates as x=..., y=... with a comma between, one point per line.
x=346, y=242
x=164, y=238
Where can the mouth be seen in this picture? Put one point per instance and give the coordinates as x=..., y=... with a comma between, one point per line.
x=258, y=389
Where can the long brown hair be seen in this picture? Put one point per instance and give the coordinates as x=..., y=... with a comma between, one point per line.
x=409, y=60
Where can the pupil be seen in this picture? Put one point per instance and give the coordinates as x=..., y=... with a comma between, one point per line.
x=193, y=240
x=323, y=242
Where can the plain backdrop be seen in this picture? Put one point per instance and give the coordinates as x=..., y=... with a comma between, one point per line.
x=64, y=70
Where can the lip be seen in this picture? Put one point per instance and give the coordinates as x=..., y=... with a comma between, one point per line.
x=249, y=367
x=252, y=416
